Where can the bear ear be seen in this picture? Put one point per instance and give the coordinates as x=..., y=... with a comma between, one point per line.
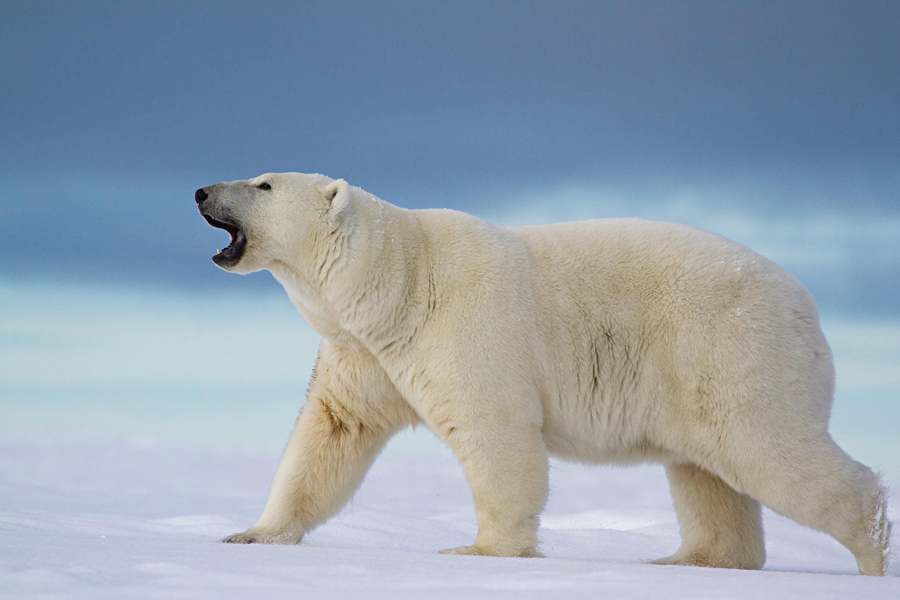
x=337, y=193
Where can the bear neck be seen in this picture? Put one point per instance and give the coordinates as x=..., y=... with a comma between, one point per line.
x=376, y=292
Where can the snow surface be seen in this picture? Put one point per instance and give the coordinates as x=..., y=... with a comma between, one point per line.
x=121, y=519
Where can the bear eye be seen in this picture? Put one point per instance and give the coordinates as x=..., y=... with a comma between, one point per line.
x=264, y=186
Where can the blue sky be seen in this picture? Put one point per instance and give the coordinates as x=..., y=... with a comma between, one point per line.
x=776, y=124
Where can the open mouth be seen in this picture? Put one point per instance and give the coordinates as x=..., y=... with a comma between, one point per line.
x=232, y=253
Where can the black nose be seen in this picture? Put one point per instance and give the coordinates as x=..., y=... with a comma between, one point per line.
x=200, y=195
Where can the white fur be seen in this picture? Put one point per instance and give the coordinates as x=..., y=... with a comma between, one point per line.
x=604, y=341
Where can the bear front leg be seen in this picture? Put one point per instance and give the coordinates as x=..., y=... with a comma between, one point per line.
x=352, y=410
x=507, y=468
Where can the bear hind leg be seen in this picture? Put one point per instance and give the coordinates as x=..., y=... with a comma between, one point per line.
x=825, y=489
x=720, y=527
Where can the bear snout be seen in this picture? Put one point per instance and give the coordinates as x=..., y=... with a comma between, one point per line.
x=200, y=195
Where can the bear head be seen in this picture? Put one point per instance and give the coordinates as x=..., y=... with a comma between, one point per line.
x=276, y=217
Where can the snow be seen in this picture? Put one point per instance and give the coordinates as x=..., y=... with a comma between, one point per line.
x=118, y=518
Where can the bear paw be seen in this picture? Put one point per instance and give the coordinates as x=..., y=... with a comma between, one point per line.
x=464, y=550
x=251, y=537
x=700, y=559
x=241, y=538
x=478, y=551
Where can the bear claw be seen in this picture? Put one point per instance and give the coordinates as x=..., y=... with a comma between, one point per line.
x=239, y=538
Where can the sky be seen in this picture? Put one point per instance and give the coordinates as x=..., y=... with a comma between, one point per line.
x=775, y=124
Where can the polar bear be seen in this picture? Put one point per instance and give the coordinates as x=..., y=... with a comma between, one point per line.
x=603, y=341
